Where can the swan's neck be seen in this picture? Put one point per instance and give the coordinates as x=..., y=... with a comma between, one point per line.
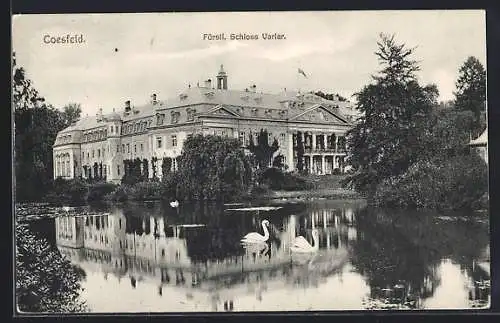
x=315, y=242
x=266, y=232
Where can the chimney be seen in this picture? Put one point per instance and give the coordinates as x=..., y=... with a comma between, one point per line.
x=254, y=88
x=127, y=106
x=208, y=83
x=153, y=99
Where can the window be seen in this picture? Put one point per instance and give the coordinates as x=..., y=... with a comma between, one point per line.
x=142, y=147
x=174, y=140
x=83, y=155
x=282, y=139
x=175, y=116
x=117, y=148
x=93, y=155
x=118, y=169
x=123, y=148
x=88, y=155
x=128, y=148
x=190, y=114
x=98, y=153
x=116, y=129
x=111, y=129
x=158, y=142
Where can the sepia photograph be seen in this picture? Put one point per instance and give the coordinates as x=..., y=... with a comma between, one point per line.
x=250, y=162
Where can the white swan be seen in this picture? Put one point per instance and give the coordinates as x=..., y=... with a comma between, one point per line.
x=300, y=244
x=254, y=237
x=174, y=203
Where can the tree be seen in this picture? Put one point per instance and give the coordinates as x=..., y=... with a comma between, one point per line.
x=470, y=94
x=145, y=169
x=300, y=152
x=166, y=166
x=71, y=113
x=45, y=281
x=36, y=125
x=395, y=108
x=213, y=168
x=263, y=152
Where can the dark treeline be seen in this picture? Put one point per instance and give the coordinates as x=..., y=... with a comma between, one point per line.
x=408, y=150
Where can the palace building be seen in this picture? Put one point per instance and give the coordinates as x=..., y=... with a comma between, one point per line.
x=97, y=146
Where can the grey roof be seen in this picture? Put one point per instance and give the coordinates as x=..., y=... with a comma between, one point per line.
x=203, y=95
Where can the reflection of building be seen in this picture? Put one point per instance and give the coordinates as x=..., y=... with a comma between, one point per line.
x=148, y=251
x=97, y=146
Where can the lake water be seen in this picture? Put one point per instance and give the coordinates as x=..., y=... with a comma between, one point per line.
x=154, y=258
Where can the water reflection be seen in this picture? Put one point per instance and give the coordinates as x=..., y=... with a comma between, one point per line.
x=153, y=258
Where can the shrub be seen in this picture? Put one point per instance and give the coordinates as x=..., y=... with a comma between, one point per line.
x=446, y=184
x=276, y=179
x=118, y=195
x=98, y=191
x=73, y=190
x=146, y=191
x=45, y=281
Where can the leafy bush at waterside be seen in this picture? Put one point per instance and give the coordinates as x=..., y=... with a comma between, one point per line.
x=146, y=191
x=74, y=190
x=98, y=191
x=212, y=168
x=276, y=179
x=446, y=184
x=45, y=281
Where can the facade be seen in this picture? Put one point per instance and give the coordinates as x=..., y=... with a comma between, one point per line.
x=97, y=146
x=481, y=145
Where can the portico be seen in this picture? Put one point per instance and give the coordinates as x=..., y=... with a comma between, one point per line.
x=323, y=151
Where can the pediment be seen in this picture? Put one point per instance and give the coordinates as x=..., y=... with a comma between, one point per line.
x=318, y=113
x=222, y=111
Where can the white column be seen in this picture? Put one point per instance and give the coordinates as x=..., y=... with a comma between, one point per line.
x=151, y=225
x=72, y=165
x=55, y=166
x=159, y=164
x=289, y=158
x=161, y=227
x=313, y=141
x=325, y=220
x=303, y=137
x=324, y=140
x=323, y=164
x=336, y=142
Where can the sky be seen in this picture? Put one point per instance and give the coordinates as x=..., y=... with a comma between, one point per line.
x=130, y=56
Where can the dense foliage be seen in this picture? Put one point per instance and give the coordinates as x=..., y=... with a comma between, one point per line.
x=457, y=183
x=470, y=94
x=395, y=108
x=45, y=281
x=36, y=125
x=409, y=151
x=213, y=168
x=276, y=179
x=262, y=150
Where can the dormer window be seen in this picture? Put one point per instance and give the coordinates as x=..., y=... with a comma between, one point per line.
x=209, y=94
x=160, y=119
x=183, y=96
x=268, y=112
x=175, y=115
x=254, y=111
x=190, y=114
